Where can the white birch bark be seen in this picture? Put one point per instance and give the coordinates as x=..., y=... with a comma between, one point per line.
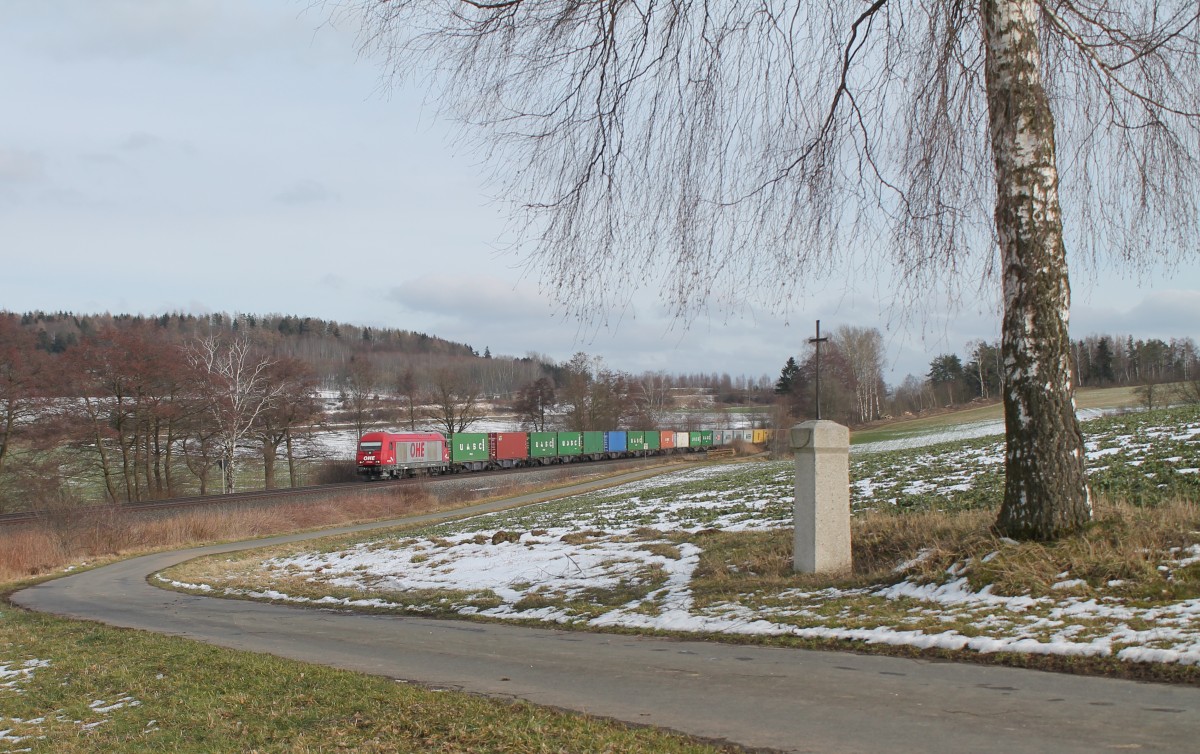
x=240, y=393
x=1046, y=492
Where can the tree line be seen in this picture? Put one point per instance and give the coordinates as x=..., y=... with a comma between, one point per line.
x=852, y=387
x=153, y=407
x=138, y=409
x=135, y=408
x=853, y=390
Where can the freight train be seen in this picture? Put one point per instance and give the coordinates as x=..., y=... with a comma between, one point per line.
x=406, y=454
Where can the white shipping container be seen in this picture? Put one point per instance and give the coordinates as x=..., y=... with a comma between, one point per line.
x=420, y=450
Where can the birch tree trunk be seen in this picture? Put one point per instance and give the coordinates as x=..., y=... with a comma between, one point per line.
x=1046, y=492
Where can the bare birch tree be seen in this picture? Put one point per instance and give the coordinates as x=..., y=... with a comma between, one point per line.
x=238, y=391
x=863, y=350
x=727, y=149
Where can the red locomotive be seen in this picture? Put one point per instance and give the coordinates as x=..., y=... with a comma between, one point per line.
x=395, y=455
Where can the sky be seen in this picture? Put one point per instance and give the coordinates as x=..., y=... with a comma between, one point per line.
x=224, y=156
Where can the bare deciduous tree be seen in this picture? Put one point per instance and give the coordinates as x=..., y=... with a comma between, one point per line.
x=296, y=408
x=24, y=387
x=593, y=396
x=456, y=403
x=653, y=399
x=534, y=404
x=408, y=391
x=733, y=148
x=358, y=383
x=238, y=391
x=862, y=348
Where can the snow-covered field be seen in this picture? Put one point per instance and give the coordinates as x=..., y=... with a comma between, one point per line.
x=627, y=557
x=969, y=431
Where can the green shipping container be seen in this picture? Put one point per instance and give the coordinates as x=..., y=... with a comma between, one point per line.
x=543, y=444
x=593, y=442
x=469, y=446
x=706, y=438
x=653, y=440
x=570, y=443
x=635, y=440
x=694, y=439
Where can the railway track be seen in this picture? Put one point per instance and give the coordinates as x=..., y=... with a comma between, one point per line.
x=312, y=493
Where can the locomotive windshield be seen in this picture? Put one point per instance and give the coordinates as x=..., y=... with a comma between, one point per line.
x=370, y=445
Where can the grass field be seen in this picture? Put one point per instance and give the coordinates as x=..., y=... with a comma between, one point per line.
x=70, y=686
x=1095, y=399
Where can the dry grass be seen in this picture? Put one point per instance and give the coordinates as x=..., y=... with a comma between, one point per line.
x=1120, y=554
x=29, y=552
x=71, y=537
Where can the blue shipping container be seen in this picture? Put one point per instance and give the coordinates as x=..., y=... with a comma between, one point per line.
x=615, y=442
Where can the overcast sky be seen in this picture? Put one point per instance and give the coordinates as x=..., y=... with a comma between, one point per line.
x=223, y=155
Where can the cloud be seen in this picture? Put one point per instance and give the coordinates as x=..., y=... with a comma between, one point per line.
x=21, y=167
x=140, y=140
x=306, y=192
x=132, y=29
x=471, y=298
x=1169, y=313
x=73, y=199
x=332, y=282
x=191, y=33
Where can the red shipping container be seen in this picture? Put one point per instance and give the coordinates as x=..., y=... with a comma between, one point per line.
x=509, y=446
x=666, y=439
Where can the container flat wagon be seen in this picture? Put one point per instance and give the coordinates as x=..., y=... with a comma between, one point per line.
x=405, y=454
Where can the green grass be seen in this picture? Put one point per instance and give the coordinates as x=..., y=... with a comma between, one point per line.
x=184, y=696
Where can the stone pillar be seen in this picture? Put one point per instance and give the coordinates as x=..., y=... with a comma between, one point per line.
x=821, y=542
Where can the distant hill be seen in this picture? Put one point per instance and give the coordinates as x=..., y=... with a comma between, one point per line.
x=326, y=346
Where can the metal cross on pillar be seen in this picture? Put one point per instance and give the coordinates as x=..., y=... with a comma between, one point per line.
x=817, y=341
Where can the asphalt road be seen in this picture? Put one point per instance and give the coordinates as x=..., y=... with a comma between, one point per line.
x=783, y=699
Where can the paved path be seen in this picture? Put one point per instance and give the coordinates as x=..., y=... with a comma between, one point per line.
x=785, y=699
